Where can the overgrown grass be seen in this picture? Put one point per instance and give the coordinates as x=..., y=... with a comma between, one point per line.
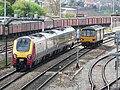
x=3, y=63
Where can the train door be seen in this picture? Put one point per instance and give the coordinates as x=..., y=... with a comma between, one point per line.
x=102, y=33
x=97, y=35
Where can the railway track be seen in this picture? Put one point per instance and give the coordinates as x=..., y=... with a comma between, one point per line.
x=101, y=64
x=7, y=75
x=103, y=72
x=112, y=85
x=43, y=78
x=9, y=48
x=2, y=85
x=12, y=77
x=95, y=85
x=8, y=79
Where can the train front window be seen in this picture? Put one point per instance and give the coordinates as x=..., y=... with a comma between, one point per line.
x=92, y=33
x=88, y=33
x=23, y=45
x=84, y=33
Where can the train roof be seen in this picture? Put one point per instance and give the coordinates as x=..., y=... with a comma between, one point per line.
x=58, y=32
x=47, y=35
x=24, y=37
x=29, y=37
x=43, y=34
x=94, y=27
x=69, y=29
x=50, y=31
x=55, y=31
x=63, y=30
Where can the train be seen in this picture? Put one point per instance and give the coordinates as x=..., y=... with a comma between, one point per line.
x=92, y=36
x=30, y=50
x=21, y=28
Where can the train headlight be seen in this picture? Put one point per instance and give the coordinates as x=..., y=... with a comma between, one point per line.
x=29, y=56
x=14, y=56
x=93, y=39
x=81, y=39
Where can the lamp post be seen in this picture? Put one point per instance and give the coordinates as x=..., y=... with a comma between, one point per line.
x=113, y=10
x=60, y=8
x=4, y=10
x=116, y=55
x=111, y=26
x=113, y=6
x=115, y=21
x=6, y=29
x=78, y=35
x=43, y=18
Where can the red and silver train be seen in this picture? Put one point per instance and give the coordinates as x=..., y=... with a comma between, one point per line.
x=27, y=27
x=31, y=50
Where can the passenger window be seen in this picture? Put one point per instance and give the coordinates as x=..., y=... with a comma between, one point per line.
x=83, y=33
x=92, y=33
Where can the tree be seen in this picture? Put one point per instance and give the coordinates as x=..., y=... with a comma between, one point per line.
x=11, y=1
x=9, y=10
x=24, y=8
x=53, y=6
x=35, y=9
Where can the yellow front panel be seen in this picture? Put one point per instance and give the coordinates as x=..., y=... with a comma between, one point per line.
x=88, y=39
x=22, y=54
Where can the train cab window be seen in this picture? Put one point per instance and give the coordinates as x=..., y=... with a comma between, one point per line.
x=88, y=32
x=92, y=33
x=84, y=33
x=23, y=45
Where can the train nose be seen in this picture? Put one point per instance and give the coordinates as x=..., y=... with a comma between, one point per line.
x=93, y=39
x=87, y=43
x=22, y=55
x=82, y=39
